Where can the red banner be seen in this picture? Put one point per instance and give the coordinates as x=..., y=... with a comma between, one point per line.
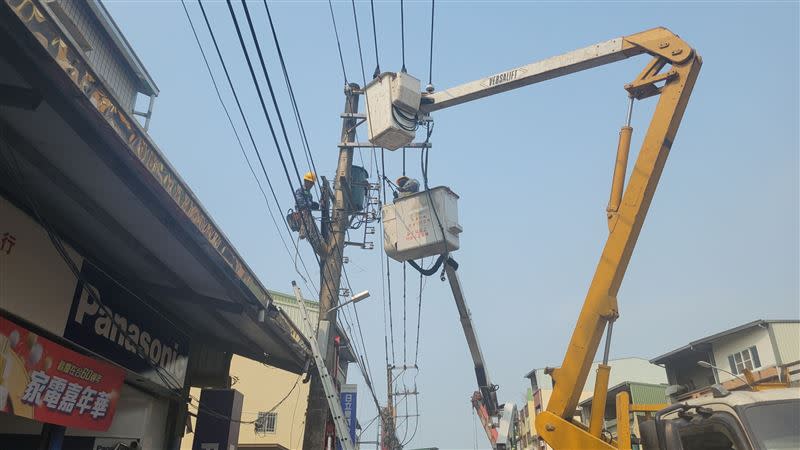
x=44, y=381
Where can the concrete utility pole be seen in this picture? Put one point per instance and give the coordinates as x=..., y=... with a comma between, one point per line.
x=389, y=441
x=317, y=415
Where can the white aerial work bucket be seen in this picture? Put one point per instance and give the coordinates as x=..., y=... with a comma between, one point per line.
x=410, y=226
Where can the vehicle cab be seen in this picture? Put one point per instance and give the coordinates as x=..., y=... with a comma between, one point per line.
x=763, y=420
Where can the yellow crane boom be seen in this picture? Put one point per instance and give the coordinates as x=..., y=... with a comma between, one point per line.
x=671, y=75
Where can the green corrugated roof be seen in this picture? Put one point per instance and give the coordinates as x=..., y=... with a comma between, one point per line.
x=287, y=299
x=644, y=393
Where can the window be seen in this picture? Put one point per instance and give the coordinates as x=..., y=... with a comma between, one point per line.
x=773, y=425
x=718, y=432
x=745, y=359
x=266, y=423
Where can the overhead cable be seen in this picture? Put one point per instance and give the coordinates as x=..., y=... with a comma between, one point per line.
x=271, y=90
x=375, y=38
x=295, y=107
x=338, y=43
x=430, y=60
x=249, y=132
x=260, y=96
x=402, y=38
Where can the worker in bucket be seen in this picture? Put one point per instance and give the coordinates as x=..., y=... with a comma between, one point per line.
x=406, y=186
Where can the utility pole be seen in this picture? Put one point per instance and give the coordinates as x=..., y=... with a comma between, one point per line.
x=317, y=414
x=389, y=439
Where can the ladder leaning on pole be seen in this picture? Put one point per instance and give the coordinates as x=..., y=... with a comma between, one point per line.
x=331, y=395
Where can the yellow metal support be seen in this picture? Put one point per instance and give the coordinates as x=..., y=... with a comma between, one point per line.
x=648, y=407
x=618, y=182
x=599, y=400
x=623, y=421
x=562, y=434
x=600, y=305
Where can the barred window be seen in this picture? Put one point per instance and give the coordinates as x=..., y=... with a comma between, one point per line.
x=266, y=423
x=745, y=359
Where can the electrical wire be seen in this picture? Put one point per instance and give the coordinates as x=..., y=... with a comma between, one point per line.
x=375, y=38
x=364, y=369
x=250, y=135
x=295, y=107
x=358, y=40
x=294, y=411
x=241, y=145
x=403, y=38
x=260, y=96
x=338, y=43
x=405, y=358
x=419, y=320
x=271, y=90
x=430, y=60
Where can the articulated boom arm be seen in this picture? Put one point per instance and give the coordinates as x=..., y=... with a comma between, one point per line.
x=497, y=422
x=626, y=217
x=651, y=41
x=626, y=212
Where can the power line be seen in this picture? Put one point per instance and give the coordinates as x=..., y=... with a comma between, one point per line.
x=358, y=40
x=388, y=272
x=295, y=107
x=338, y=43
x=253, y=141
x=375, y=38
x=261, y=99
x=430, y=61
x=263, y=65
x=405, y=359
x=260, y=95
x=236, y=134
x=271, y=90
x=403, y=37
x=419, y=320
x=249, y=132
x=359, y=360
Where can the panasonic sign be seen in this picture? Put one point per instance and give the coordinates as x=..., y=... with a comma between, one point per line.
x=125, y=330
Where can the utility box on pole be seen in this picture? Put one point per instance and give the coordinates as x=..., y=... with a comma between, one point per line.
x=392, y=105
x=412, y=225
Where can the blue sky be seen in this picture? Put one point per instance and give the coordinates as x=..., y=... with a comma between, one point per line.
x=532, y=167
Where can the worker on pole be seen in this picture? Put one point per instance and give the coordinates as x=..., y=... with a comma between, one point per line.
x=303, y=200
x=304, y=203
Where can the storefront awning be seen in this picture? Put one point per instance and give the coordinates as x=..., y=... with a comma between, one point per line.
x=100, y=180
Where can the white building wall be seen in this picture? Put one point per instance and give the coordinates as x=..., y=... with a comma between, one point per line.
x=755, y=336
x=787, y=340
x=103, y=57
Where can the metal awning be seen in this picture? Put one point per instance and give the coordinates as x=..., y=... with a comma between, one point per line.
x=99, y=178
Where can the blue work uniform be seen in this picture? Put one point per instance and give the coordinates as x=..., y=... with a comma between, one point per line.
x=304, y=200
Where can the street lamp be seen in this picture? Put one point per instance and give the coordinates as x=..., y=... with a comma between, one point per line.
x=354, y=299
x=708, y=365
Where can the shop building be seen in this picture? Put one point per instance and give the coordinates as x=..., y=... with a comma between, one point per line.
x=118, y=292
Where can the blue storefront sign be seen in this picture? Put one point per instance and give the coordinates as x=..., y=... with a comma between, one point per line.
x=125, y=330
x=349, y=397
